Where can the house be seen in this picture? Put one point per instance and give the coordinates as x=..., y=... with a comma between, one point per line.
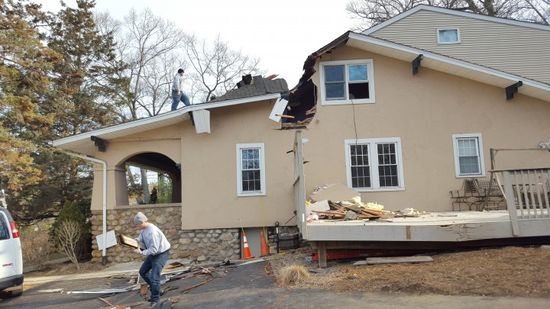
x=401, y=113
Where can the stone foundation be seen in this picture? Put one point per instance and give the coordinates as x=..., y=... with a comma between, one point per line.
x=206, y=245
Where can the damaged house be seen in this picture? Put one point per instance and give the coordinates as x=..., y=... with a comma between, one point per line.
x=409, y=114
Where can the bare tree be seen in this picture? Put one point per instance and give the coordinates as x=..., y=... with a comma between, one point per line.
x=539, y=11
x=373, y=12
x=152, y=48
x=68, y=237
x=215, y=67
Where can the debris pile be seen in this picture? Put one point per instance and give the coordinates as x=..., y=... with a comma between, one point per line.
x=338, y=202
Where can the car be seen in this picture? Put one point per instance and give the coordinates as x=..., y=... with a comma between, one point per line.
x=11, y=257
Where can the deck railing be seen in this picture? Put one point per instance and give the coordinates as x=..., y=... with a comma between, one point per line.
x=527, y=193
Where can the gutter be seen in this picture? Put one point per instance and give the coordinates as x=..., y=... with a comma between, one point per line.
x=104, y=206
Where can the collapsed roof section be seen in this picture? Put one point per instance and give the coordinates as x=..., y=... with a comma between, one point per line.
x=302, y=98
x=255, y=86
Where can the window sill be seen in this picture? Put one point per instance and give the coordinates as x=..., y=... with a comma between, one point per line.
x=241, y=194
x=348, y=102
x=393, y=189
x=471, y=176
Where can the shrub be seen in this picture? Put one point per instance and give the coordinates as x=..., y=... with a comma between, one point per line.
x=77, y=214
x=35, y=244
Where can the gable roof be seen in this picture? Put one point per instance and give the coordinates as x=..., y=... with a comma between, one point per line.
x=456, y=13
x=257, y=86
x=81, y=143
x=436, y=62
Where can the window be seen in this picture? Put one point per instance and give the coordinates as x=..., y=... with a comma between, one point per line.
x=250, y=169
x=345, y=82
x=4, y=229
x=468, y=152
x=448, y=36
x=374, y=164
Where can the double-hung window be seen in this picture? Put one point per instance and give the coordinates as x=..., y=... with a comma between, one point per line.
x=468, y=153
x=347, y=82
x=250, y=169
x=374, y=164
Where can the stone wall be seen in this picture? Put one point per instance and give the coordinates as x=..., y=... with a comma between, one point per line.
x=208, y=245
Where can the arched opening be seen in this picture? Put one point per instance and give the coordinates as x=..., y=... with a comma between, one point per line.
x=152, y=178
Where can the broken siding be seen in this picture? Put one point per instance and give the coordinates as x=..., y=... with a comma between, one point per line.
x=514, y=49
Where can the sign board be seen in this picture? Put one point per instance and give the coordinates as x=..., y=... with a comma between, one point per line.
x=110, y=240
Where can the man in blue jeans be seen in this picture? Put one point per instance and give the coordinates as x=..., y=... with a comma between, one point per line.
x=177, y=92
x=156, y=248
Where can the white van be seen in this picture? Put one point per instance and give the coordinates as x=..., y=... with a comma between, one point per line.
x=11, y=259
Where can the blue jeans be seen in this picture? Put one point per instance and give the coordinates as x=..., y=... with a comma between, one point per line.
x=176, y=98
x=150, y=272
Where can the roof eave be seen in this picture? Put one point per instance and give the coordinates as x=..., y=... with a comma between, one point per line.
x=161, y=120
x=437, y=62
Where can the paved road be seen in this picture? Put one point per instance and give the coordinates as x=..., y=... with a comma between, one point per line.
x=249, y=287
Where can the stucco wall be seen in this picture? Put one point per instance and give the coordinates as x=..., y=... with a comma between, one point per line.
x=424, y=110
x=209, y=171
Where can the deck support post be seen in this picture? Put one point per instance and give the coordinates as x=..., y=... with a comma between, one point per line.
x=510, y=202
x=322, y=253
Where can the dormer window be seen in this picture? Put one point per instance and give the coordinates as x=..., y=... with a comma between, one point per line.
x=448, y=36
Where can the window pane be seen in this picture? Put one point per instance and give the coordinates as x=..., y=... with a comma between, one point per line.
x=448, y=36
x=360, y=169
x=469, y=165
x=358, y=90
x=387, y=165
x=467, y=147
x=4, y=230
x=335, y=91
x=357, y=72
x=250, y=170
x=334, y=73
x=468, y=156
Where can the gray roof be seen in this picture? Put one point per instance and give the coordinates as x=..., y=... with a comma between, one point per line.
x=258, y=86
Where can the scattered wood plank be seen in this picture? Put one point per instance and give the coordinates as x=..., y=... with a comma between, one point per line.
x=399, y=259
x=106, y=301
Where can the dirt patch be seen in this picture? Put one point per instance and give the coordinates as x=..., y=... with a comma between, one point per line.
x=509, y=271
x=66, y=269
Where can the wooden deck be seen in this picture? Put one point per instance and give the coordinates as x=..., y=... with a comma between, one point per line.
x=434, y=226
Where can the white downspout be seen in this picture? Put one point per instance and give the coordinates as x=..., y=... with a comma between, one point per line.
x=104, y=207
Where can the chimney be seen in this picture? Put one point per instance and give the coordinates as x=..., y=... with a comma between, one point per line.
x=247, y=80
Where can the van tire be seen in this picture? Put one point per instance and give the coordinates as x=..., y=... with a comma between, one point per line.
x=13, y=292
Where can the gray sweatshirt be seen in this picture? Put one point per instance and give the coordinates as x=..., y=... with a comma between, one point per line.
x=153, y=240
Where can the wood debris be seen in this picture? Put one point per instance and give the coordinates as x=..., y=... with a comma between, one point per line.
x=346, y=210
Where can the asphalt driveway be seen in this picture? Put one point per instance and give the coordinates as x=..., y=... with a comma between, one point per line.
x=249, y=286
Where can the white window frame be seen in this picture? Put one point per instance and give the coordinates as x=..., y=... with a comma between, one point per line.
x=370, y=74
x=262, y=190
x=448, y=28
x=480, y=151
x=373, y=154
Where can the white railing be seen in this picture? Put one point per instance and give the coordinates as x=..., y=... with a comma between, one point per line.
x=527, y=193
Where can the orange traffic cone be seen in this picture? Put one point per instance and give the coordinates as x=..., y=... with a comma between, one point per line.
x=263, y=243
x=246, y=250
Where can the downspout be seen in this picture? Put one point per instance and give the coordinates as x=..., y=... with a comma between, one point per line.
x=104, y=207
